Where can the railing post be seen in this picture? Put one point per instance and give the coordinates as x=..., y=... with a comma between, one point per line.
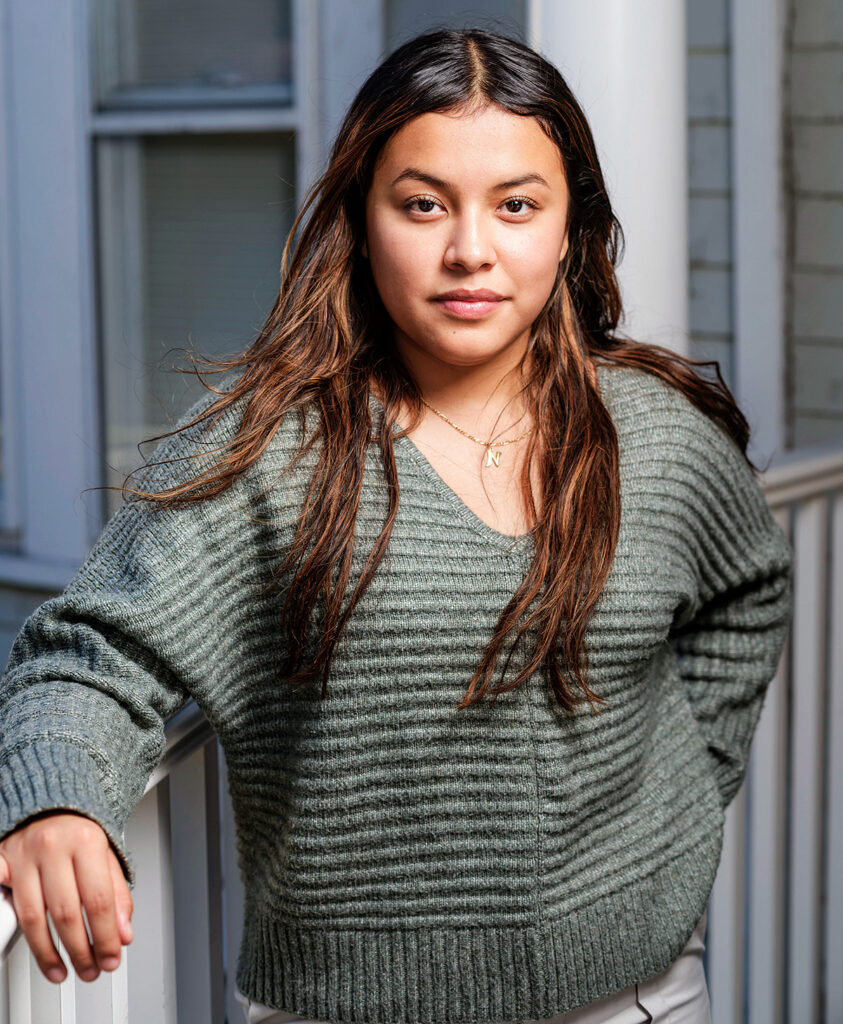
x=833, y=981
x=806, y=760
x=232, y=893
x=199, y=965
x=150, y=957
x=725, y=950
x=767, y=782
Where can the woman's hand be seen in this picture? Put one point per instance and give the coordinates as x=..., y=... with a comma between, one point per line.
x=61, y=862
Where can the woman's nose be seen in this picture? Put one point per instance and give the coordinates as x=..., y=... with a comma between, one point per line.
x=470, y=244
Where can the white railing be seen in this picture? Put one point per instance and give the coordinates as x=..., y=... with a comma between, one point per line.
x=775, y=925
x=775, y=921
x=179, y=967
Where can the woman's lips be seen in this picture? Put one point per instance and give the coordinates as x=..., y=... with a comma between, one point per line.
x=469, y=309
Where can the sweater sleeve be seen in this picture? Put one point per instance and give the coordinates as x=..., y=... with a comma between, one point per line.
x=95, y=672
x=729, y=636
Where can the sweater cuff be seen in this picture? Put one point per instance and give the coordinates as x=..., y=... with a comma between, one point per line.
x=54, y=775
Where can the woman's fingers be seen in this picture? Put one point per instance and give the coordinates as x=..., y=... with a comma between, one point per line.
x=61, y=896
x=96, y=889
x=61, y=863
x=31, y=912
x=122, y=899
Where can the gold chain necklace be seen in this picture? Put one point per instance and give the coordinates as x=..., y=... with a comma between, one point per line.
x=492, y=458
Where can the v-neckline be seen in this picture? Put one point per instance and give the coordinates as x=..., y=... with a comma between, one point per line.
x=506, y=541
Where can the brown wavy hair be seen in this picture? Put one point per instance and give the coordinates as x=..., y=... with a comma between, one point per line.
x=324, y=344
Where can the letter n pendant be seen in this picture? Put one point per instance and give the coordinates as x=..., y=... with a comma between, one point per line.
x=492, y=458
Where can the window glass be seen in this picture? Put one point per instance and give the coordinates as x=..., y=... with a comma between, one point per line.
x=191, y=52
x=406, y=18
x=192, y=229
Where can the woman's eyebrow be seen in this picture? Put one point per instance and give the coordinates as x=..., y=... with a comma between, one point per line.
x=434, y=182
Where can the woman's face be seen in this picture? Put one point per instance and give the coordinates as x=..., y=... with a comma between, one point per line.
x=466, y=202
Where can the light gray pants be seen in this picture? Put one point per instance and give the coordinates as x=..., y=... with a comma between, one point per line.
x=676, y=996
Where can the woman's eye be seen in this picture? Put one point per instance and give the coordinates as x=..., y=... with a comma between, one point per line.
x=420, y=199
x=522, y=200
x=424, y=205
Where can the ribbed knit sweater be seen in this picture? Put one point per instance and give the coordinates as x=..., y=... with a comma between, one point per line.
x=403, y=861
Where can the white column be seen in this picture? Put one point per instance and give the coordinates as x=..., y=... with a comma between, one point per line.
x=350, y=47
x=52, y=422
x=626, y=65
x=758, y=220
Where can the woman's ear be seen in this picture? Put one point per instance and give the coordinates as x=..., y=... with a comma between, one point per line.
x=564, y=248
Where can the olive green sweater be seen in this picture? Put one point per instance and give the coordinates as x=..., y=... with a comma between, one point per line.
x=404, y=861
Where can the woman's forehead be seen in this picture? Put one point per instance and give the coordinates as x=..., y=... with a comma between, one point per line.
x=493, y=143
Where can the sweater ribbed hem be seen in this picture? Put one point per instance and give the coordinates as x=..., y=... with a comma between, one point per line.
x=44, y=774
x=473, y=975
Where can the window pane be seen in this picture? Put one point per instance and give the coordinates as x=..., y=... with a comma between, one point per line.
x=406, y=18
x=161, y=52
x=191, y=234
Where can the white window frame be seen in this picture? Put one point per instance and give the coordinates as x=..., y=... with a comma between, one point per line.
x=10, y=513
x=52, y=392
x=51, y=423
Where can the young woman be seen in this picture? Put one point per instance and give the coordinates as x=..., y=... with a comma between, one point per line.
x=480, y=597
